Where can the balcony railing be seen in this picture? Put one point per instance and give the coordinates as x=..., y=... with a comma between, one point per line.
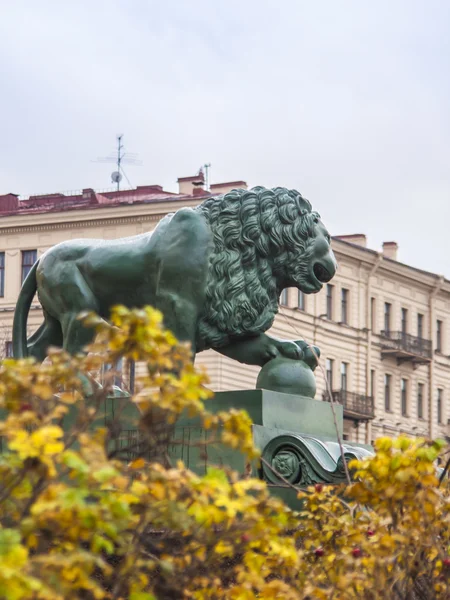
x=356, y=406
x=405, y=346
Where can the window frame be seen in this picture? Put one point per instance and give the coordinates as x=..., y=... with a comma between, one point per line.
x=388, y=389
x=345, y=294
x=420, y=322
x=439, y=405
x=439, y=330
x=420, y=398
x=404, y=321
x=27, y=266
x=404, y=397
x=387, y=317
x=344, y=376
x=372, y=383
x=329, y=301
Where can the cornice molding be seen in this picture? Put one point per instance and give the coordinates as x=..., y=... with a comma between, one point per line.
x=105, y=222
x=368, y=257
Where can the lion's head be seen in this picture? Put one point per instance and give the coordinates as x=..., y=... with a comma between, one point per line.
x=264, y=241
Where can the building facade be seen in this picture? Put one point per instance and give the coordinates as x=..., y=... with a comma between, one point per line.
x=383, y=327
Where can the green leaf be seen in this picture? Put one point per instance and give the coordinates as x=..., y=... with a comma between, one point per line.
x=8, y=539
x=73, y=497
x=214, y=475
x=100, y=543
x=74, y=461
x=396, y=462
x=439, y=443
x=105, y=474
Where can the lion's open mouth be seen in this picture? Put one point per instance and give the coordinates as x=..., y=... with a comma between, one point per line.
x=321, y=273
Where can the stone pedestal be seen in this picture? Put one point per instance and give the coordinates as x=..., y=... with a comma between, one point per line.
x=296, y=436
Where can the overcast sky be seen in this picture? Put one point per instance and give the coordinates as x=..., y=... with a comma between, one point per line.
x=346, y=101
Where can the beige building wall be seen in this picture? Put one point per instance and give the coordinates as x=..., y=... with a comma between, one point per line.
x=371, y=280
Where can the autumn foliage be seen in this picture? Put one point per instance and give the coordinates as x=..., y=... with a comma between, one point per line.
x=79, y=520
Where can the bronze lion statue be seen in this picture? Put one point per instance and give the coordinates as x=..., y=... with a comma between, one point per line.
x=215, y=271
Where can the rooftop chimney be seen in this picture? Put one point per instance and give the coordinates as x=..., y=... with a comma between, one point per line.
x=187, y=185
x=9, y=202
x=390, y=250
x=88, y=193
x=359, y=239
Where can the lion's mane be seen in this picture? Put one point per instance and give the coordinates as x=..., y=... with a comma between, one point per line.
x=262, y=237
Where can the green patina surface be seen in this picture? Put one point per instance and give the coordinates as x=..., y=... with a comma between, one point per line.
x=215, y=272
x=277, y=410
x=296, y=436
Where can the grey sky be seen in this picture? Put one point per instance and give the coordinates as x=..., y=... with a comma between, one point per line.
x=347, y=101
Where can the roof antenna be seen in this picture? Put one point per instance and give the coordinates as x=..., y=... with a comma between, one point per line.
x=204, y=170
x=120, y=158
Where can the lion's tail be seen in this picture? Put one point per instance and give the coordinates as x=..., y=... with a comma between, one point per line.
x=29, y=287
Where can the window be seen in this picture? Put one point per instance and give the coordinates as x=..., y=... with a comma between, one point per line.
x=404, y=397
x=438, y=336
x=329, y=301
x=2, y=274
x=301, y=301
x=439, y=405
x=372, y=383
x=344, y=306
x=8, y=349
x=420, y=387
x=387, y=392
x=420, y=326
x=387, y=317
x=404, y=321
x=329, y=369
x=284, y=297
x=344, y=376
x=28, y=259
x=373, y=314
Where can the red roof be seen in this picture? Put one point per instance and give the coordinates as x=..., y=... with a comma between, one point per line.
x=88, y=198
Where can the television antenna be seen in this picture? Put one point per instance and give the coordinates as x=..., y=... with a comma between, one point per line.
x=120, y=157
x=206, y=170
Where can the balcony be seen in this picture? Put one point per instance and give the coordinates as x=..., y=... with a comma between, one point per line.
x=405, y=347
x=358, y=407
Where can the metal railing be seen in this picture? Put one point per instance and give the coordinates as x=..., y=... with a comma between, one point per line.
x=356, y=405
x=411, y=344
x=77, y=192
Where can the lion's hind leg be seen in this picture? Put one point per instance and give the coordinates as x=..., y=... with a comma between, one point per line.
x=77, y=297
x=48, y=334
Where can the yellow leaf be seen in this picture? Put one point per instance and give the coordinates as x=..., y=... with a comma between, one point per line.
x=223, y=547
x=158, y=490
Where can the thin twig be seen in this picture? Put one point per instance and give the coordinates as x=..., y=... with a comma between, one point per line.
x=292, y=486
x=444, y=472
x=275, y=472
x=341, y=448
x=331, y=399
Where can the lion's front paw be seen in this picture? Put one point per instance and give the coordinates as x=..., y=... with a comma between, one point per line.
x=289, y=350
